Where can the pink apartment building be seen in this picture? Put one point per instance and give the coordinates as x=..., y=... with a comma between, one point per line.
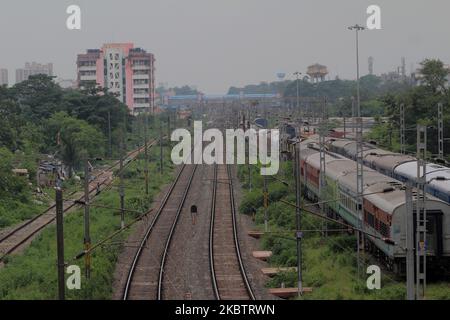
x=125, y=71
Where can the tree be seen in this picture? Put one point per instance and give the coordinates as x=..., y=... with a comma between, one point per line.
x=434, y=75
x=39, y=97
x=75, y=139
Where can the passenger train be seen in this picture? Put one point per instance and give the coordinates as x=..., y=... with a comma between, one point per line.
x=384, y=206
x=398, y=166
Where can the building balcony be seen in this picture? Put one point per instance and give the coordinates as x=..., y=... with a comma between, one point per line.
x=88, y=78
x=140, y=67
x=87, y=68
x=141, y=76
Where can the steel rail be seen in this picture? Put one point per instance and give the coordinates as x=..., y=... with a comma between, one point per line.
x=143, y=242
x=169, y=238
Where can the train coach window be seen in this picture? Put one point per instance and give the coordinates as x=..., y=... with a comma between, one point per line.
x=430, y=225
x=384, y=229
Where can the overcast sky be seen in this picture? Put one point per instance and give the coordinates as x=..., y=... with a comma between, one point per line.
x=214, y=44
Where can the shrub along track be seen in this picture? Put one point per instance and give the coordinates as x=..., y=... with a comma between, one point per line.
x=18, y=238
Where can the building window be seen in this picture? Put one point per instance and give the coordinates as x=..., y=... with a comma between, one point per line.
x=140, y=81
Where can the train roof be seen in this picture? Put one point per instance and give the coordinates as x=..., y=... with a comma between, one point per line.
x=339, y=143
x=350, y=148
x=433, y=171
x=388, y=161
x=390, y=201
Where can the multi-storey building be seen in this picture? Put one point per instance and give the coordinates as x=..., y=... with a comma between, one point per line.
x=125, y=71
x=3, y=77
x=33, y=68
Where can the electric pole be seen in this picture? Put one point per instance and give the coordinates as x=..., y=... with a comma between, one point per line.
x=146, y=155
x=60, y=242
x=440, y=132
x=359, y=152
x=409, y=223
x=421, y=213
x=322, y=182
x=298, y=194
x=402, y=128
x=87, y=236
x=109, y=134
x=160, y=147
x=121, y=189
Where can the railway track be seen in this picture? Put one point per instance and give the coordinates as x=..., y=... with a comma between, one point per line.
x=228, y=274
x=24, y=233
x=146, y=274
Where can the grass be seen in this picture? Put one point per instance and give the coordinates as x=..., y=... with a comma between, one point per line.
x=32, y=275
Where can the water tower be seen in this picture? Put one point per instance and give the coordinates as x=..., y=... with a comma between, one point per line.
x=317, y=72
x=281, y=76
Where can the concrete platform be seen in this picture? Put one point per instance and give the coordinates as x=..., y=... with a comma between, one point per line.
x=255, y=234
x=262, y=255
x=285, y=293
x=273, y=271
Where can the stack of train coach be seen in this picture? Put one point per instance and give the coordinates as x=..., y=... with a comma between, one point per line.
x=384, y=207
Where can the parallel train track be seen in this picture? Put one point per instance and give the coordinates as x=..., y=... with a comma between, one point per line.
x=14, y=239
x=228, y=274
x=146, y=274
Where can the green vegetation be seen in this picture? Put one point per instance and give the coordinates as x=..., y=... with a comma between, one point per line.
x=329, y=264
x=420, y=107
x=39, y=118
x=32, y=275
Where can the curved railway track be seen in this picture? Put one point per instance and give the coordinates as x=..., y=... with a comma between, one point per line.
x=228, y=274
x=146, y=274
x=14, y=239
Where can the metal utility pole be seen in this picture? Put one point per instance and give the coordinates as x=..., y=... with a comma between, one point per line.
x=160, y=147
x=409, y=223
x=345, y=128
x=146, y=155
x=87, y=236
x=121, y=189
x=168, y=130
x=266, y=204
x=440, y=132
x=60, y=243
x=299, y=235
x=322, y=182
x=297, y=75
x=109, y=134
x=421, y=213
x=359, y=151
x=353, y=115
x=402, y=129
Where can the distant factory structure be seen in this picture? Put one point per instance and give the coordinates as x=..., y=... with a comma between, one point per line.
x=317, y=72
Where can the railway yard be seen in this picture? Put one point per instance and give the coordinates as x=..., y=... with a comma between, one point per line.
x=203, y=235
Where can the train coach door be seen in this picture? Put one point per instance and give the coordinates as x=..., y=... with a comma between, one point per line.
x=434, y=232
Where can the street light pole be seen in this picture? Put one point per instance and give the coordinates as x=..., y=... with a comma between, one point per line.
x=359, y=150
x=297, y=75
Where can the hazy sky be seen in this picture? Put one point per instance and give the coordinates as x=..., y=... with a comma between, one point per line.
x=214, y=44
